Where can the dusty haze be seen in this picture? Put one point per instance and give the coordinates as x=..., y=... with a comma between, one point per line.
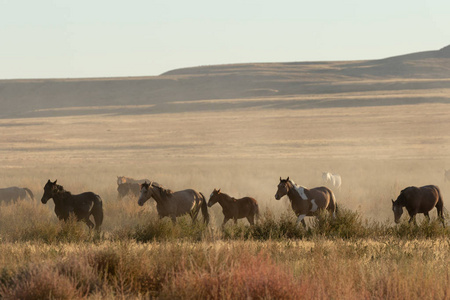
x=383, y=125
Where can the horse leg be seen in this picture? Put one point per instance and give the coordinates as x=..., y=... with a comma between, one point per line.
x=413, y=219
x=174, y=219
x=195, y=214
x=225, y=220
x=88, y=222
x=427, y=216
x=300, y=218
x=251, y=220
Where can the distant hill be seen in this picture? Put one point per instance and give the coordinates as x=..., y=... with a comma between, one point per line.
x=206, y=87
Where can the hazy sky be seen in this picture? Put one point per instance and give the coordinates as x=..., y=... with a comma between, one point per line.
x=99, y=38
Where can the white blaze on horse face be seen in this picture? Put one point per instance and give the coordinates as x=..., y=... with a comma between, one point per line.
x=300, y=218
x=314, y=205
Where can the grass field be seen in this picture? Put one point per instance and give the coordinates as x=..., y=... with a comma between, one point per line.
x=377, y=150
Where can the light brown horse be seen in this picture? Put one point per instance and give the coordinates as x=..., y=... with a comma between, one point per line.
x=174, y=204
x=306, y=202
x=14, y=193
x=418, y=201
x=235, y=209
x=124, y=179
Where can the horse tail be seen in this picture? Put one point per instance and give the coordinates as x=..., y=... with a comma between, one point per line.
x=30, y=193
x=333, y=200
x=97, y=212
x=205, y=210
x=440, y=206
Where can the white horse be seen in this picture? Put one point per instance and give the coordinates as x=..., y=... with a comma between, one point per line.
x=334, y=179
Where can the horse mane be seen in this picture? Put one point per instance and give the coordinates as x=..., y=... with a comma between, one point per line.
x=162, y=190
x=228, y=197
x=62, y=192
x=292, y=183
x=297, y=187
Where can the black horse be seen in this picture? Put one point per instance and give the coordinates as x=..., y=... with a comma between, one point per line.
x=418, y=200
x=82, y=205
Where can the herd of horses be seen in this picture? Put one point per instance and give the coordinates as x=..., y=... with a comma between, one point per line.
x=304, y=202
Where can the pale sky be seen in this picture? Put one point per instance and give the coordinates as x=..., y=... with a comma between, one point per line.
x=99, y=38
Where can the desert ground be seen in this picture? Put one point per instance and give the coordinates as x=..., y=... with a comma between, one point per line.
x=377, y=151
x=378, y=128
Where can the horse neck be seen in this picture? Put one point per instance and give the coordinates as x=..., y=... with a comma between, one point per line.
x=400, y=201
x=293, y=193
x=60, y=196
x=225, y=200
x=157, y=194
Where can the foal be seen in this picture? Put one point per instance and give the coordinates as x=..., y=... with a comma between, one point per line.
x=235, y=209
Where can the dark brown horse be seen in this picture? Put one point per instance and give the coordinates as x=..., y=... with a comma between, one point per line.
x=306, y=202
x=174, y=204
x=235, y=209
x=126, y=188
x=14, y=194
x=82, y=205
x=418, y=201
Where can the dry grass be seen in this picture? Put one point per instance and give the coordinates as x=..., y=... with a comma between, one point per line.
x=320, y=268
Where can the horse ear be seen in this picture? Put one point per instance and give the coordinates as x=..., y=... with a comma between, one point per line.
x=55, y=181
x=218, y=191
x=392, y=201
x=287, y=179
x=280, y=178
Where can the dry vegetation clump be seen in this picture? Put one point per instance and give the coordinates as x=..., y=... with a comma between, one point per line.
x=248, y=277
x=40, y=282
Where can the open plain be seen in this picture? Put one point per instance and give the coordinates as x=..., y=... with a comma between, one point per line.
x=382, y=125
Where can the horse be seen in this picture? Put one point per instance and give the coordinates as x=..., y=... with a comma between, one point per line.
x=174, y=204
x=123, y=179
x=235, y=209
x=126, y=188
x=418, y=200
x=14, y=193
x=307, y=202
x=82, y=205
x=334, y=179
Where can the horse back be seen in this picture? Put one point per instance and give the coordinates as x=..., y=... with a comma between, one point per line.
x=248, y=205
x=183, y=201
x=323, y=197
x=421, y=199
x=13, y=193
x=85, y=198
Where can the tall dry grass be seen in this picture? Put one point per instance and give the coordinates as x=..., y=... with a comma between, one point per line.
x=318, y=268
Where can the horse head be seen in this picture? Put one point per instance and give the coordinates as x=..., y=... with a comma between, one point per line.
x=50, y=189
x=213, y=198
x=146, y=193
x=283, y=188
x=397, y=208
